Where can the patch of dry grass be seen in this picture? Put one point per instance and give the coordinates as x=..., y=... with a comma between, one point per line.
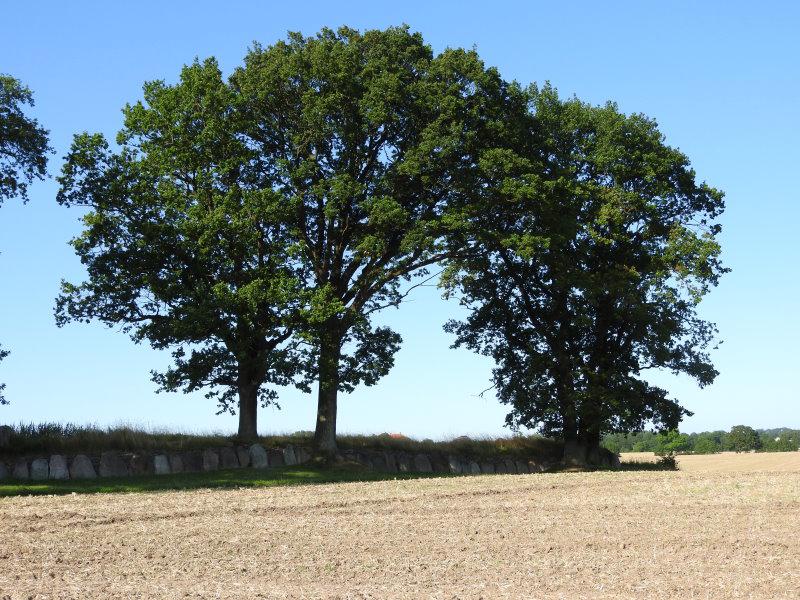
x=565, y=535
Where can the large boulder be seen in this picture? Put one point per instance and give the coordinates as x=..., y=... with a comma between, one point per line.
x=5, y=436
x=289, y=457
x=404, y=463
x=455, y=464
x=40, y=469
x=275, y=457
x=113, y=464
x=243, y=455
x=422, y=464
x=82, y=468
x=473, y=468
x=228, y=458
x=439, y=463
x=210, y=460
x=175, y=463
x=258, y=457
x=161, y=464
x=302, y=455
x=20, y=470
x=487, y=467
x=141, y=464
x=522, y=467
x=192, y=461
x=58, y=467
x=4, y=472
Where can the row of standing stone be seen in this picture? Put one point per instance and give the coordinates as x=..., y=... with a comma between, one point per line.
x=121, y=464
x=124, y=464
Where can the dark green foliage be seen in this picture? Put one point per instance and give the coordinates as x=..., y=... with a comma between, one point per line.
x=184, y=246
x=595, y=243
x=23, y=142
x=742, y=438
x=24, y=148
x=362, y=136
x=3, y=354
x=739, y=439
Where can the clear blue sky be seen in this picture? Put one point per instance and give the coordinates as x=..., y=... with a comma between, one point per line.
x=722, y=79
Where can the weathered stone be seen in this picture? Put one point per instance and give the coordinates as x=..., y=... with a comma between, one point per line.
x=455, y=464
x=302, y=455
x=534, y=467
x=422, y=464
x=210, y=460
x=175, y=463
x=521, y=467
x=500, y=468
x=487, y=467
x=378, y=461
x=404, y=464
x=364, y=459
x=439, y=463
x=289, y=457
x=615, y=462
x=511, y=466
x=58, y=467
x=5, y=436
x=228, y=458
x=192, y=461
x=243, y=455
x=40, y=468
x=474, y=468
x=141, y=464
x=113, y=464
x=391, y=462
x=275, y=458
x=258, y=457
x=20, y=470
x=82, y=468
x=161, y=464
x=4, y=472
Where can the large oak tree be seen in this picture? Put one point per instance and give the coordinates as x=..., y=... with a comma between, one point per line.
x=184, y=247
x=24, y=148
x=363, y=136
x=595, y=246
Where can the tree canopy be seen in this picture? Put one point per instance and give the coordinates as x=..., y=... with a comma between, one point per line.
x=24, y=144
x=255, y=225
x=184, y=247
x=24, y=147
x=595, y=245
x=362, y=135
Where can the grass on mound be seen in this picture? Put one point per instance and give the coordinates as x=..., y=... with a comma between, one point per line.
x=230, y=478
x=57, y=438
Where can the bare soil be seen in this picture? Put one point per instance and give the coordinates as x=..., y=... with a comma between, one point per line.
x=703, y=534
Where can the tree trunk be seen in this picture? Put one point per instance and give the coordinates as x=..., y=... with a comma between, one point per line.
x=574, y=452
x=325, y=433
x=248, y=412
x=591, y=441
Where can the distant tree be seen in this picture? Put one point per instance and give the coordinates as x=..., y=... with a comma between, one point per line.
x=184, y=247
x=706, y=443
x=596, y=243
x=24, y=147
x=784, y=441
x=742, y=438
x=673, y=442
x=363, y=136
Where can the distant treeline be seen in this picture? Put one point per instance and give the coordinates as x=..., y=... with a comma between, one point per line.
x=740, y=438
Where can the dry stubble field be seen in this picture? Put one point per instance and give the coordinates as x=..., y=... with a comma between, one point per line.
x=711, y=533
